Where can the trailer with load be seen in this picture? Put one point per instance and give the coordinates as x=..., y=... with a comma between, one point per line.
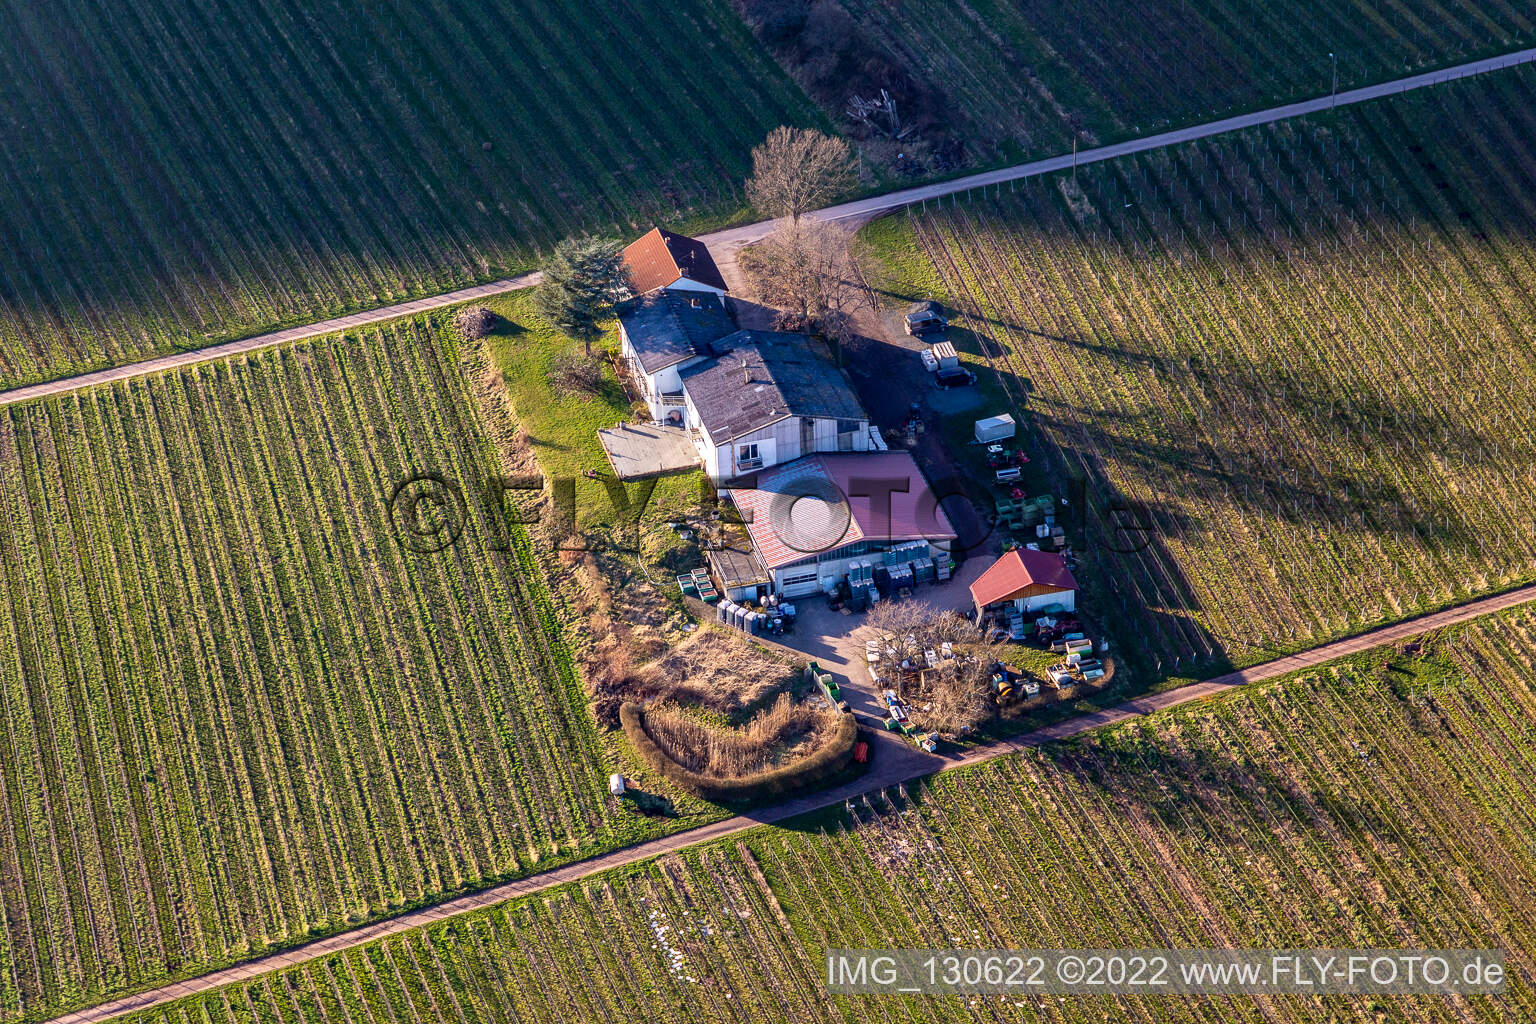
x=900, y=715
x=823, y=681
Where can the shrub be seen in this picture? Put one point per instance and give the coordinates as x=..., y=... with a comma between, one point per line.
x=574, y=376
x=474, y=322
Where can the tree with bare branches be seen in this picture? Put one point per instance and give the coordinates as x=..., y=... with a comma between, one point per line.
x=806, y=269
x=955, y=695
x=957, y=698
x=911, y=627
x=797, y=170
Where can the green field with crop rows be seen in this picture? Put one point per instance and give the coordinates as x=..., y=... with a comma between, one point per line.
x=1300, y=360
x=177, y=174
x=1381, y=802
x=1022, y=75
x=237, y=711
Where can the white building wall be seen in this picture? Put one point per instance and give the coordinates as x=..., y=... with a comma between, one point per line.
x=684, y=284
x=1066, y=598
x=774, y=446
x=715, y=461
x=826, y=437
x=777, y=443
x=832, y=570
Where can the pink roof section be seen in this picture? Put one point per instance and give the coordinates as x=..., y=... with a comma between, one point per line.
x=1018, y=569
x=822, y=502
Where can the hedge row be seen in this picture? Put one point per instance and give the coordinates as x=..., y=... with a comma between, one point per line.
x=831, y=758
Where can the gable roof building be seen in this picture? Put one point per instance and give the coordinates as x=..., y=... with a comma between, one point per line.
x=665, y=259
x=760, y=377
x=1028, y=579
x=664, y=328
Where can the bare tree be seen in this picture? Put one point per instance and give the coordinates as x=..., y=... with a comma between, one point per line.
x=911, y=627
x=956, y=694
x=806, y=269
x=901, y=626
x=797, y=170
x=957, y=698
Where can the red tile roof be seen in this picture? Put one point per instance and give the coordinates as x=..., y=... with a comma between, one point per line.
x=660, y=258
x=1018, y=569
x=823, y=502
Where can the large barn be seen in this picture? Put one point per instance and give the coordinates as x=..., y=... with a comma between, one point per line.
x=767, y=398
x=811, y=519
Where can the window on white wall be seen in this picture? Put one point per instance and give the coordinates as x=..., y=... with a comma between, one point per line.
x=747, y=455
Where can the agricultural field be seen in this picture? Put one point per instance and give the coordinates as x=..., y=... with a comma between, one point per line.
x=244, y=703
x=178, y=174
x=1379, y=802
x=1023, y=76
x=1290, y=370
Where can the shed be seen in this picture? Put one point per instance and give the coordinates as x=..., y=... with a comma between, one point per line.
x=994, y=428
x=741, y=574
x=1026, y=579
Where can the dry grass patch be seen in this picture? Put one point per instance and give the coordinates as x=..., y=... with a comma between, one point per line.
x=779, y=735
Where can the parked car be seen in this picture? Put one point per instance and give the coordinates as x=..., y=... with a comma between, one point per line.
x=955, y=378
x=930, y=362
x=925, y=321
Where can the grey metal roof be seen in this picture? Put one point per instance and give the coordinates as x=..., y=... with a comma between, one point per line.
x=666, y=327
x=762, y=376
x=736, y=566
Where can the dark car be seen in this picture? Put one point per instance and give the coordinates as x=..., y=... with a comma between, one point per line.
x=955, y=378
x=925, y=321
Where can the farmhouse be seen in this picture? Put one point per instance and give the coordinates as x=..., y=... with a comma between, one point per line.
x=663, y=259
x=1028, y=580
x=775, y=423
x=663, y=332
x=814, y=520
x=766, y=398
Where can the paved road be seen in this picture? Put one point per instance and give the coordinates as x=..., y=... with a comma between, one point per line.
x=261, y=341
x=734, y=238
x=896, y=764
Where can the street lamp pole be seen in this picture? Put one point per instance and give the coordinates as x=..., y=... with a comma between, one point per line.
x=1335, y=62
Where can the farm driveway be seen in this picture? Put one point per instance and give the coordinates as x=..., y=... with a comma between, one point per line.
x=727, y=242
